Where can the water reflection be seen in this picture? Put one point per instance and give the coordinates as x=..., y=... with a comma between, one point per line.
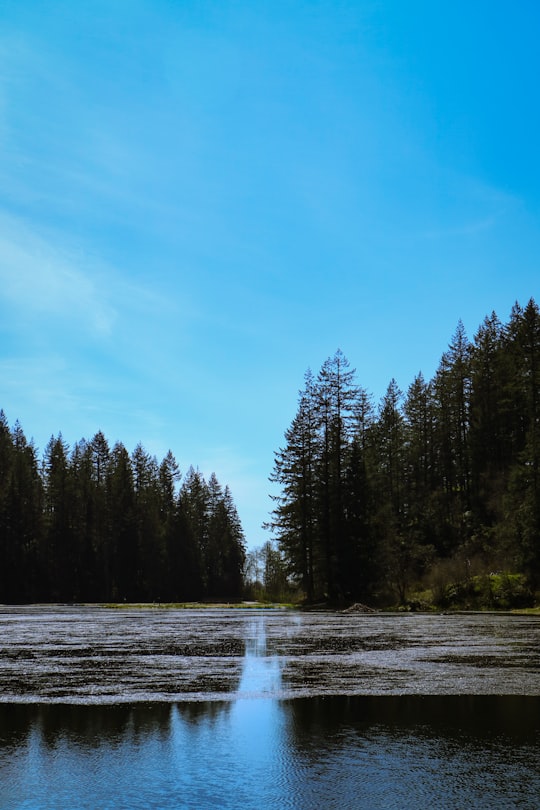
x=417, y=752
x=480, y=716
x=261, y=670
x=361, y=752
x=254, y=749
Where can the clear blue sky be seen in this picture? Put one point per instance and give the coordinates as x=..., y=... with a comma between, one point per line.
x=200, y=200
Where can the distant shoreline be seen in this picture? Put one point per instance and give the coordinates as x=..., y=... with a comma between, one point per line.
x=251, y=605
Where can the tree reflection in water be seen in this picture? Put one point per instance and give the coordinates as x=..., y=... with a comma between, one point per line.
x=247, y=747
x=359, y=752
x=261, y=670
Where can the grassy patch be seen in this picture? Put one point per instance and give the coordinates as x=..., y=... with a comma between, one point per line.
x=531, y=611
x=193, y=605
x=501, y=590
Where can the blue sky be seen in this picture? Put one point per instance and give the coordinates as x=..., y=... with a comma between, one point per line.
x=200, y=200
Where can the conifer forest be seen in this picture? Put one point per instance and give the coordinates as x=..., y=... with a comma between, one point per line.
x=440, y=482
x=95, y=524
x=435, y=484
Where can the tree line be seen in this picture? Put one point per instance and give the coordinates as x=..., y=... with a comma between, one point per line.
x=374, y=498
x=94, y=523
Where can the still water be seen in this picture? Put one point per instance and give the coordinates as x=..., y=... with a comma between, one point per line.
x=167, y=709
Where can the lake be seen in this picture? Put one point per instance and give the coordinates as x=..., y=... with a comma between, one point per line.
x=158, y=708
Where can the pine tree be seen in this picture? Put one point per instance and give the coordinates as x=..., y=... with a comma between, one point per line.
x=59, y=543
x=390, y=436
x=6, y=535
x=23, y=513
x=295, y=514
x=523, y=503
x=85, y=579
x=336, y=399
x=451, y=389
x=169, y=476
x=99, y=455
x=227, y=545
x=358, y=561
x=194, y=502
x=122, y=527
x=418, y=460
x=150, y=538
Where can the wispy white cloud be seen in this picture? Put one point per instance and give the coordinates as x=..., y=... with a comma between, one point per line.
x=83, y=342
x=41, y=277
x=46, y=274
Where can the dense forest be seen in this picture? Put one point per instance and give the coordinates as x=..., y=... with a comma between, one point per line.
x=99, y=524
x=436, y=488
x=440, y=484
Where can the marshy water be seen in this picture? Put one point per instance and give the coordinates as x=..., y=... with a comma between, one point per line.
x=158, y=708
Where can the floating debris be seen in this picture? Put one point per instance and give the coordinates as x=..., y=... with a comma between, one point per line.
x=358, y=607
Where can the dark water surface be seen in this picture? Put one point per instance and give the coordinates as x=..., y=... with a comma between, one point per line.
x=246, y=709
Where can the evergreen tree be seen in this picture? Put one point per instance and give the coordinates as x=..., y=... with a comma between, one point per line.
x=523, y=501
x=85, y=575
x=6, y=536
x=194, y=506
x=452, y=461
x=185, y=566
x=225, y=554
x=398, y=546
x=58, y=557
x=96, y=525
x=390, y=437
x=24, y=519
x=122, y=527
x=336, y=398
x=488, y=439
x=169, y=476
x=418, y=460
x=150, y=543
x=233, y=549
x=450, y=471
x=295, y=514
x=358, y=562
